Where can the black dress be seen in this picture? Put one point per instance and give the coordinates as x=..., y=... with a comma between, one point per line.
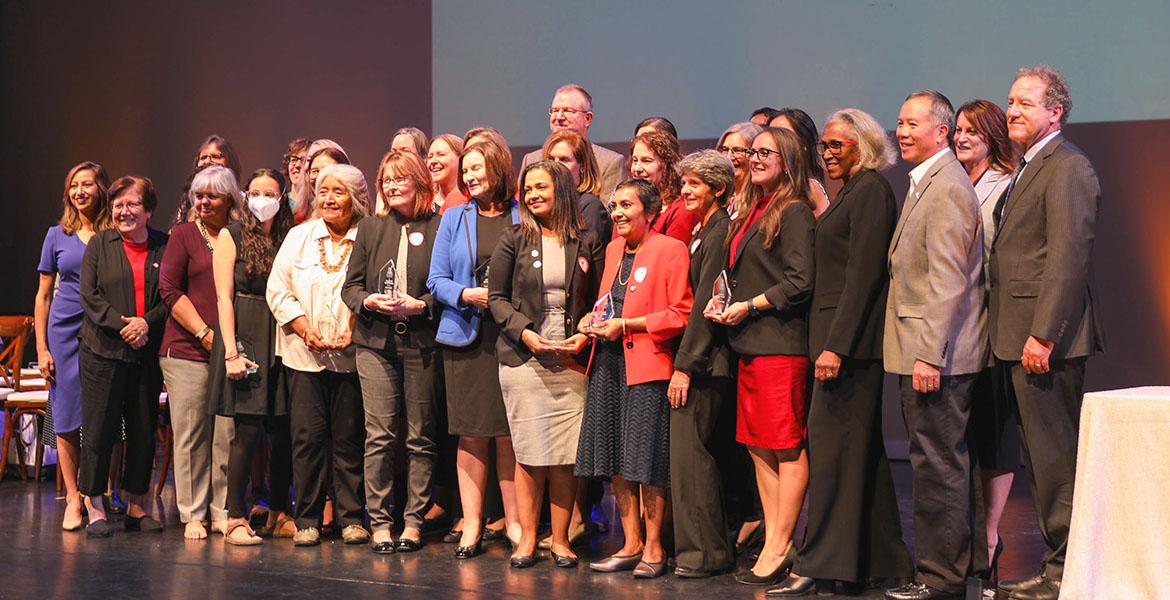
x=262, y=393
x=475, y=406
x=626, y=428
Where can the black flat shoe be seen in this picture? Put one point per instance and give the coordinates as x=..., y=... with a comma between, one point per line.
x=145, y=524
x=689, y=573
x=472, y=551
x=793, y=586
x=523, y=562
x=491, y=535
x=564, y=562
x=452, y=536
x=383, y=548
x=98, y=529
x=646, y=570
x=407, y=545
x=919, y=591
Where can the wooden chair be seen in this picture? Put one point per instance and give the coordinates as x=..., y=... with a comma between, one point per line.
x=20, y=395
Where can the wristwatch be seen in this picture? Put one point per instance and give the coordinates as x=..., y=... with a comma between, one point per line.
x=753, y=312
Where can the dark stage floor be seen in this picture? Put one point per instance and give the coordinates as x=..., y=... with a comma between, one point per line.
x=39, y=560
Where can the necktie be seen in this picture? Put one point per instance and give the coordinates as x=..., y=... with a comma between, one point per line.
x=999, y=204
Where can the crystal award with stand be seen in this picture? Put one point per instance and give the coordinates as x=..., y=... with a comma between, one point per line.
x=602, y=311
x=390, y=279
x=244, y=349
x=481, y=274
x=721, y=293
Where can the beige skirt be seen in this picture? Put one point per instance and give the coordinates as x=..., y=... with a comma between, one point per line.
x=544, y=399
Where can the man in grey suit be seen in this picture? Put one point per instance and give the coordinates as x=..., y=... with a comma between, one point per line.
x=935, y=340
x=572, y=108
x=1042, y=320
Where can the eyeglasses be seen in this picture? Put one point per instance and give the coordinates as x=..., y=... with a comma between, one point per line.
x=254, y=194
x=834, y=146
x=210, y=157
x=296, y=160
x=398, y=181
x=733, y=150
x=125, y=206
x=567, y=112
x=762, y=153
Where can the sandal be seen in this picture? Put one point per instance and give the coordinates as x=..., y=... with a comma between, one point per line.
x=251, y=540
x=278, y=530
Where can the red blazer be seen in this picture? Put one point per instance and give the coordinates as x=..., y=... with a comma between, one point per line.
x=677, y=222
x=658, y=290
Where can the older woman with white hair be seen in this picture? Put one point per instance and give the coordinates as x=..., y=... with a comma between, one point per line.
x=202, y=442
x=854, y=534
x=325, y=401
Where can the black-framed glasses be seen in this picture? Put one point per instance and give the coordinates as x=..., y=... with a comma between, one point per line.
x=210, y=157
x=733, y=150
x=762, y=153
x=296, y=160
x=834, y=146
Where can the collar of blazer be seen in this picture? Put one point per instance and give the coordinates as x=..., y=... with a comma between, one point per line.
x=1030, y=171
x=747, y=236
x=154, y=241
x=845, y=189
x=916, y=193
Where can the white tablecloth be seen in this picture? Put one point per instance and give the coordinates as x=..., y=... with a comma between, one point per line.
x=1119, y=542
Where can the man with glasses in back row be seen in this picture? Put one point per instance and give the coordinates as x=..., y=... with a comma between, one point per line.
x=572, y=108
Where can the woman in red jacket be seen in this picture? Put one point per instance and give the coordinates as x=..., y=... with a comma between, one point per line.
x=625, y=433
x=653, y=155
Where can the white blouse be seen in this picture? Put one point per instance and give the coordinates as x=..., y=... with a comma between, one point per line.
x=299, y=286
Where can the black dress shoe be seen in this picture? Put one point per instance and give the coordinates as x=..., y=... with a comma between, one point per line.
x=383, y=548
x=689, y=573
x=1042, y=589
x=407, y=545
x=98, y=529
x=1010, y=585
x=523, y=561
x=472, y=551
x=145, y=524
x=491, y=535
x=452, y=536
x=919, y=591
x=793, y=586
x=564, y=562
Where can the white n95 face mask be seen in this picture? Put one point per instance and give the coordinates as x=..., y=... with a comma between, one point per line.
x=264, y=207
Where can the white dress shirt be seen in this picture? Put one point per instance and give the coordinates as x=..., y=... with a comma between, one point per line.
x=300, y=286
x=917, y=173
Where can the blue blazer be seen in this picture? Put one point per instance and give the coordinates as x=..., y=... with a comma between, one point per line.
x=453, y=270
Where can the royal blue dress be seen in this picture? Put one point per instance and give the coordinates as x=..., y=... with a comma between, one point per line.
x=61, y=256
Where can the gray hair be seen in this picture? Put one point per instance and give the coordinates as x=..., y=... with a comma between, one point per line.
x=573, y=87
x=877, y=150
x=713, y=169
x=220, y=180
x=746, y=130
x=354, y=181
x=942, y=112
x=1055, y=88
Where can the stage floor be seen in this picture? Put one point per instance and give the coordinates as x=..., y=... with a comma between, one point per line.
x=39, y=560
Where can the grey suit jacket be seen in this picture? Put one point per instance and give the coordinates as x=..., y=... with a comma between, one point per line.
x=612, y=167
x=935, y=311
x=1039, y=266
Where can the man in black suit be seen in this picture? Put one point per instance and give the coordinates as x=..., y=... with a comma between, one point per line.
x=1042, y=320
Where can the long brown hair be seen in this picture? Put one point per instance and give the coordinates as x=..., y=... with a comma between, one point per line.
x=583, y=153
x=793, y=188
x=991, y=123
x=70, y=216
x=565, y=219
x=665, y=147
x=255, y=247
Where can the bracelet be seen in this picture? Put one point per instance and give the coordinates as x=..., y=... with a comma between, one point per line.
x=623, y=328
x=203, y=333
x=232, y=357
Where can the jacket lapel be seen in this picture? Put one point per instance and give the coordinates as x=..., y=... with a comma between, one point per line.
x=743, y=243
x=1030, y=171
x=835, y=202
x=916, y=193
x=572, y=247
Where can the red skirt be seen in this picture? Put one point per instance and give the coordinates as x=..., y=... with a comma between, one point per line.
x=770, y=407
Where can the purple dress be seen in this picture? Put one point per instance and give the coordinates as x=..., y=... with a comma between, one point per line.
x=61, y=256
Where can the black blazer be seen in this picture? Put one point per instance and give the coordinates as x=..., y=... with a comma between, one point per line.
x=784, y=275
x=704, y=350
x=516, y=296
x=595, y=216
x=107, y=294
x=375, y=245
x=852, y=237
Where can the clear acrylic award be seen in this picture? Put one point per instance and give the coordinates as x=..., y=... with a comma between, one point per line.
x=602, y=311
x=244, y=349
x=721, y=292
x=390, y=279
x=481, y=274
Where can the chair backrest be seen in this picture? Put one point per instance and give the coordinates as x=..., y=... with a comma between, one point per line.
x=14, y=332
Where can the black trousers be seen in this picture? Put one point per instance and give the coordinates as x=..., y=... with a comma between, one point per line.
x=113, y=391
x=1049, y=412
x=249, y=434
x=700, y=522
x=937, y=427
x=854, y=531
x=326, y=407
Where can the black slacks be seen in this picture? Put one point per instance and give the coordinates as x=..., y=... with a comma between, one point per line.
x=937, y=426
x=113, y=391
x=1049, y=413
x=854, y=531
x=249, y=434
x=326, y=407
x=700, y=522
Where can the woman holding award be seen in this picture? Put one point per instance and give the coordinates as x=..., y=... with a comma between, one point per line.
x=703, y=377
x=397, y=360
x=325, y=403
x=459, y=277
x=770, y=271
x=545, y=277
x=625, y=433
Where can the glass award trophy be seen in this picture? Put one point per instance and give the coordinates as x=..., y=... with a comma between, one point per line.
x=481, y=274
x=390, y=279
x=602, y=311
x=721, y=293
x=244, y=349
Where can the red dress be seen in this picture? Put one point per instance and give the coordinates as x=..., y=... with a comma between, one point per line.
x=771, y=390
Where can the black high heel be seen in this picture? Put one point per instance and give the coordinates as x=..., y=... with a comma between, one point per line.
x=781, y=572
x=994, y=575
